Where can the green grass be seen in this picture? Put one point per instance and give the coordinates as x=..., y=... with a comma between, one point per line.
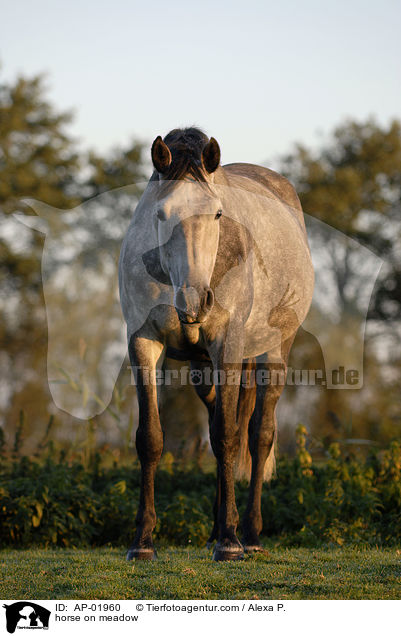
x=189, y=573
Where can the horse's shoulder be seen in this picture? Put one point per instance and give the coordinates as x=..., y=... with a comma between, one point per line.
x=273, y=181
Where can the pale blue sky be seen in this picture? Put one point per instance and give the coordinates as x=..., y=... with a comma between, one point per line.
x=257, y=75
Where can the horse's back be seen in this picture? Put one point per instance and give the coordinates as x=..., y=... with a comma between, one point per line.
x=253, y=176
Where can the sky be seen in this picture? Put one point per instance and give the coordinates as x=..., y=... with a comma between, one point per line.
x=257, y=75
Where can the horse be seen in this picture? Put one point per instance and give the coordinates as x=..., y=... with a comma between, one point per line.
x=215, y=269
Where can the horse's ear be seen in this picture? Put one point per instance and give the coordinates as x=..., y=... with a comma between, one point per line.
x=161, y=155
x=211, y=155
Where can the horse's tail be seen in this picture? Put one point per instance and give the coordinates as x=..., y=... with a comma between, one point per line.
x=246, y=406
x=270, y=465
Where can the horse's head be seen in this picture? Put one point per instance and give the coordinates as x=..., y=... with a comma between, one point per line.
x=186, y=215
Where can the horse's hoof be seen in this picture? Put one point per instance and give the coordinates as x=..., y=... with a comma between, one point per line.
x=228, y=553
x=142, y=554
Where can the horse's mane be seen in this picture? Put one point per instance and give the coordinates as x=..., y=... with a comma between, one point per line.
x=186, y=145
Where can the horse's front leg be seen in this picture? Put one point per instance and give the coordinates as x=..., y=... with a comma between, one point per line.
x=144, y=354
x=224, y=436
x=207, y=393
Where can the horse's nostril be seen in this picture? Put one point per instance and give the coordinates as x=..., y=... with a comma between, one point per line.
x=209, y=300
x=191, y=305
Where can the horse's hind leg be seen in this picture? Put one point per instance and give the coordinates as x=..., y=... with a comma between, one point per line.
x=207, y=393
x=262, y=427
x=144, y=354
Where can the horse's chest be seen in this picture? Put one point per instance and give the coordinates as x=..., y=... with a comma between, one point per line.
x=182, y=342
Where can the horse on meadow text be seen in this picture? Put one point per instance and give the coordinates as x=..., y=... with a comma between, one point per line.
x=215, y=268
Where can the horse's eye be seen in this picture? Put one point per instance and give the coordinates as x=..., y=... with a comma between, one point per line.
x=218, y=214
x=160, y=215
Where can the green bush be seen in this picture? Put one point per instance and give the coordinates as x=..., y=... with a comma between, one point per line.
x=184, y=521
x=66, y=503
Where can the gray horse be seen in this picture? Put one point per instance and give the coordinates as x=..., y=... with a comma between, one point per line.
x=215, y=268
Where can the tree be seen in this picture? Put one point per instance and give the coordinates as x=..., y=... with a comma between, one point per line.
x=39, y=160
x=353, y=183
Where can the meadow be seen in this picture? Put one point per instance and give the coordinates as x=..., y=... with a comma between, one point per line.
x=332, y=529
x=189, y=573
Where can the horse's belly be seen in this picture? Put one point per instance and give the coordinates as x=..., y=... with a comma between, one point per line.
x=281, y=301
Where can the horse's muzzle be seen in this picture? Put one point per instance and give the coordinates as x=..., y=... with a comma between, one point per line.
x=193, y=307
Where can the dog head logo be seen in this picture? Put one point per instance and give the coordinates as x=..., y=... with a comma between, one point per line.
x=26, y=615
